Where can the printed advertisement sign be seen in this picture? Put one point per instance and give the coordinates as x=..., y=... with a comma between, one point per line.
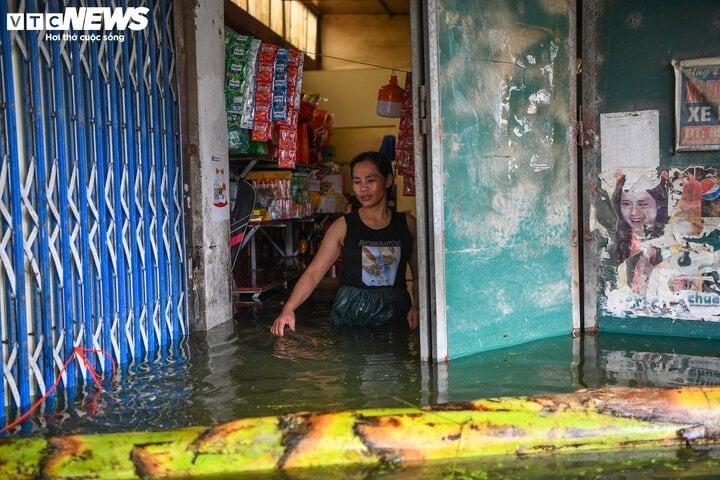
x=697, y=104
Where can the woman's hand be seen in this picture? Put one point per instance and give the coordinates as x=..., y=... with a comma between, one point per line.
x=413, y=317
x=285, y=318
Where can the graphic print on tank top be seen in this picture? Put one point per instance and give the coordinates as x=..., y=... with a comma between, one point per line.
x=380, y=262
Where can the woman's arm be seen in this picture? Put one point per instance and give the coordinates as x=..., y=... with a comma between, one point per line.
x=327, y=255
x=413, y=316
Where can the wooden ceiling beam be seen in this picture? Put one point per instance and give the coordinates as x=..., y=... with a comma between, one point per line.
x=242, y=22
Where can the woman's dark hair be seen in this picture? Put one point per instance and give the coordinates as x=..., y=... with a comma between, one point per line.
x=623, y=232
x=378, y=159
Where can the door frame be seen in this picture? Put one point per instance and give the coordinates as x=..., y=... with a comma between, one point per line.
x=428, y=181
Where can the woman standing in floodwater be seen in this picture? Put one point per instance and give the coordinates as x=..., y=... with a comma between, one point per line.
x=376, y=244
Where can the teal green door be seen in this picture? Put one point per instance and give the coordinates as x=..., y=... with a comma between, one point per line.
x=501, y=81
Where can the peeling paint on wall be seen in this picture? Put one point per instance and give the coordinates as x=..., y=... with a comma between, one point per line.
x=658, y=260
x=666, y=247
x=504, y=106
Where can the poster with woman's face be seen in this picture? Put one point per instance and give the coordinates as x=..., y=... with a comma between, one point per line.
x=663, y=249
x=638, y=209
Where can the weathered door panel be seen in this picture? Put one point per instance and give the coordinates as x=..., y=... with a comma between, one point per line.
x=662, y=278
x=503, y=171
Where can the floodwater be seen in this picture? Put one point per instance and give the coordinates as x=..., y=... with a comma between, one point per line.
x=240, y=370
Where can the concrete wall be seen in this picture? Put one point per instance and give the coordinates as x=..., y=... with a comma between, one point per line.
x=205, y=161
x=377, y=39
x=352, y=89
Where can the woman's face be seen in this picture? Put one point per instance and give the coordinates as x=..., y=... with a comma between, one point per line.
x=638, y=209
x=368, y=183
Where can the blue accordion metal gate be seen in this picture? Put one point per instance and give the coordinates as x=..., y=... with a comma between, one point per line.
x=91, y=225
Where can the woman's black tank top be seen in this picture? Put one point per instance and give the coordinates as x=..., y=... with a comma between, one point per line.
x=375, y=258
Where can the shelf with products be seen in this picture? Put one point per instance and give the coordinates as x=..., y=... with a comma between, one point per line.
x=291, y=255
x=284, y=210
x=279, y=151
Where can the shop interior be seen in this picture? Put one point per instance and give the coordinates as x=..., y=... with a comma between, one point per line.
x=309, y=85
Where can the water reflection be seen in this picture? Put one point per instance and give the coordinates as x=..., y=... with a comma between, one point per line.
x=564, y=364
x=238, y=370
x=657, y=361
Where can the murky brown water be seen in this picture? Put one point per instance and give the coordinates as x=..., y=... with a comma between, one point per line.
x=240, y=370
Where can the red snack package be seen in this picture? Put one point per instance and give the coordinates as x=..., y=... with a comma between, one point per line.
x=262, y=126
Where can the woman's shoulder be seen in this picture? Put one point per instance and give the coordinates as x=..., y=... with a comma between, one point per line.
x=340, y=223
x=337, y=230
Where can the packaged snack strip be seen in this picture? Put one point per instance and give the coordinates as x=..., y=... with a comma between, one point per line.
x=238, y=141
x=288, y=146
x=264, y=75
x=288, y=138
x=262, y=130
x=233, y=102
x=298, y=82
x=288, y=134
x=248, y=108
x=280, y=85
x=233, y=121
x=230, y=38
x=279, y=112
x=291, y=117
x=294, y=88
x=237, y=49
x=236, y=57
x=267, y=54
x=236, y=64
x=263, y=93
x=404, y=149
x=286, y=158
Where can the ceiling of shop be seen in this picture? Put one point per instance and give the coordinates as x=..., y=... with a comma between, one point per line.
x=359, y=7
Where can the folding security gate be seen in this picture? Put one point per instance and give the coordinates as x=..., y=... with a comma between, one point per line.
x=91, y=226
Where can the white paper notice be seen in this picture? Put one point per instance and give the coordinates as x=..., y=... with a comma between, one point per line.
x=220, y=194
x=630, y=143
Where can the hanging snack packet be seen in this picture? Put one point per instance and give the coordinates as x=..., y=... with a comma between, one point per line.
x=238, y=141
x=298, y=87
x=248, y=108
x=237, y=48
x=294, y=75
x=280, y=85
x=288, y=146
x=404, y=148
x=262, y=126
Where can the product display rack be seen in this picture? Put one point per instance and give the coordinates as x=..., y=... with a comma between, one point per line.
x=257, y=281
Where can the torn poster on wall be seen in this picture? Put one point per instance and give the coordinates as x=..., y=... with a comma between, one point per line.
x=630, y=141
x=662, y=258
x=697, y=104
